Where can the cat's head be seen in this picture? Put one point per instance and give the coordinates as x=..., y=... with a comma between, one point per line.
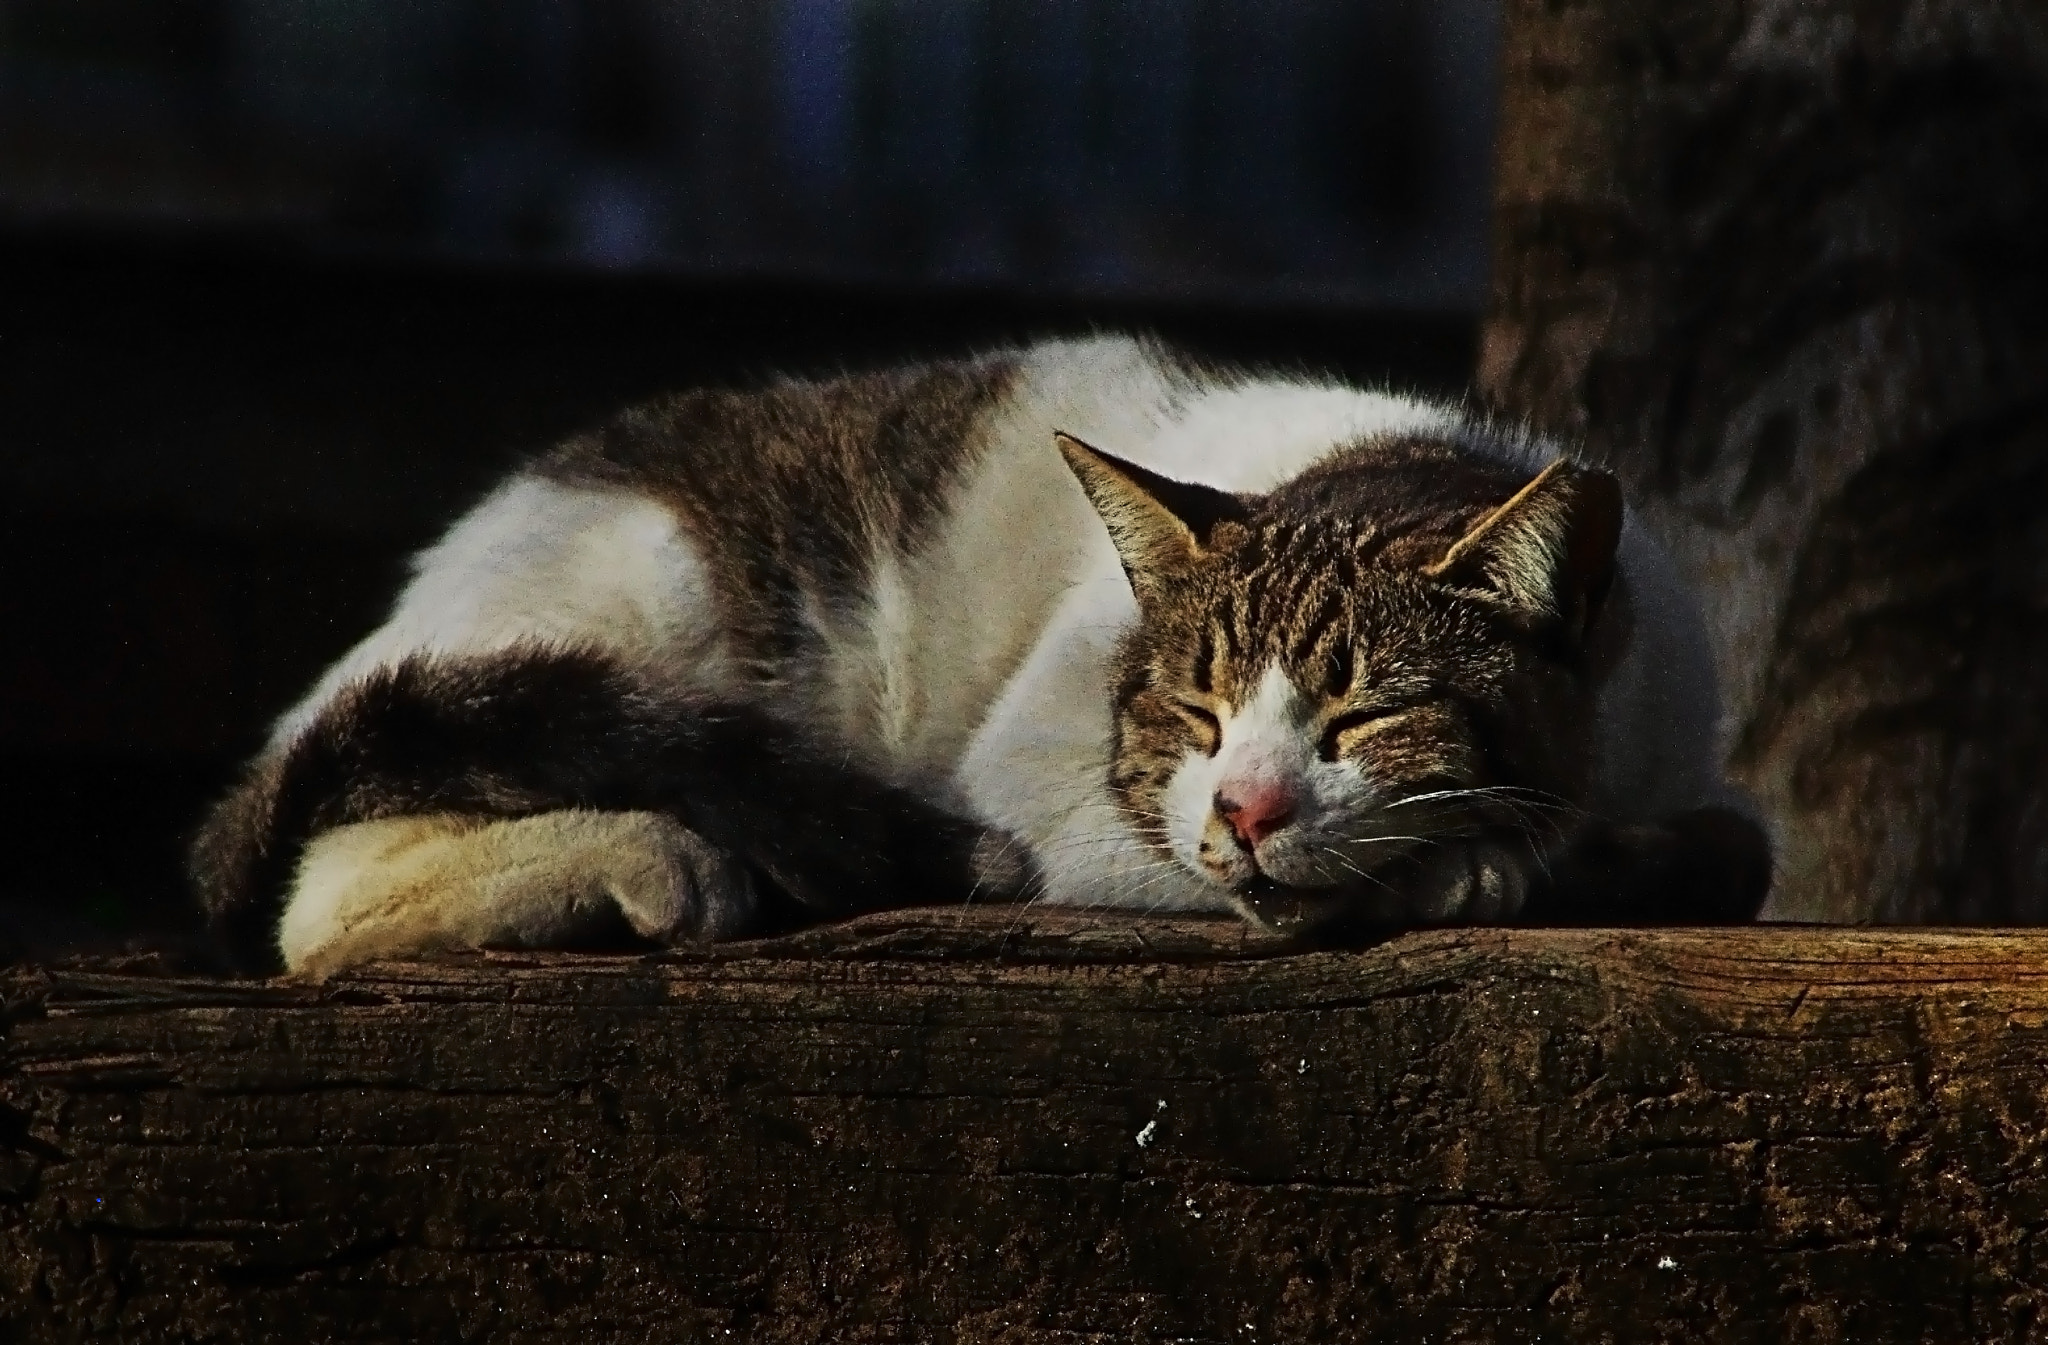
x=1323, y=683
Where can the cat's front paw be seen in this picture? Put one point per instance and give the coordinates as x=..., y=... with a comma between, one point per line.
x=673, y=886
x=1709, y=866
x=1476, y=882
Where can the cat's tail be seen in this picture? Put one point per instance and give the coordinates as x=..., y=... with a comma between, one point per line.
x=536, y=729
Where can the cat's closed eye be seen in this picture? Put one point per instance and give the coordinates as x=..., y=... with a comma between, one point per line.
x=1349, y=723
x=1208, y=729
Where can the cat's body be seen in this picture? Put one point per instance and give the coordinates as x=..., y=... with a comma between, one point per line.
x=887, y=595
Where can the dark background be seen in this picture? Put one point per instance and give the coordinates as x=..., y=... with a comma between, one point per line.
x=284, y=283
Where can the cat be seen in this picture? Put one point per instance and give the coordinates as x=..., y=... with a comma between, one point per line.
x=1086, y=622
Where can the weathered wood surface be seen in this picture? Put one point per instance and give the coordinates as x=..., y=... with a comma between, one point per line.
x=1784, y=263
x=981, y=1126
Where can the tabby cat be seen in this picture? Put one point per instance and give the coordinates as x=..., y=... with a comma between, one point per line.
x=1085, y=622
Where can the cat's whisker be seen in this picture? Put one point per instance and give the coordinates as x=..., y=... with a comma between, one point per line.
x=1506, y=795
x=1154, y=881
x=1067, y=844
x=1540, y=819
x=1151, y=866
x=1369, y=877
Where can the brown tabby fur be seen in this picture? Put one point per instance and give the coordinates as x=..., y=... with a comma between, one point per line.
x=1426, y=674
x=807, y=480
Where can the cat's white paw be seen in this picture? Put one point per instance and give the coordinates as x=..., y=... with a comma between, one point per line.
x=406, y=886
x=1474, y=881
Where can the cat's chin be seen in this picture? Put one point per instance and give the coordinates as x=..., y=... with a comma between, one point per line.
x=1295, y=911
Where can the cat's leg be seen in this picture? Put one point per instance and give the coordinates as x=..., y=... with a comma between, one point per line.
x=1705, y=866
x=542, y=563
x=407, y=885
x=1477, y=881
x=530, y=732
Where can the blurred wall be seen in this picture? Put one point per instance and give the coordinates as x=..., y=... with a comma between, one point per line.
x=1324, y=151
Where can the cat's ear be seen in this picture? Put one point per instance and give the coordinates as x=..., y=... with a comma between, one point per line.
x=1159, y=525
x=1548, y=553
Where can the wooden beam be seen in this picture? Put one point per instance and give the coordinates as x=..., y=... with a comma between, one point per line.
x=1036, y=1127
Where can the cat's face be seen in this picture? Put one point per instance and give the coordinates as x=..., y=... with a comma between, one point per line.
x=1327, y=682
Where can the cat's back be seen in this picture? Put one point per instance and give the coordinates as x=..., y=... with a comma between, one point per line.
x=793, y=492
x=877, y=555
x=880, y=552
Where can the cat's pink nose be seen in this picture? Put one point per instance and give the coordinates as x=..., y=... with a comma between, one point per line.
x=1255, y=812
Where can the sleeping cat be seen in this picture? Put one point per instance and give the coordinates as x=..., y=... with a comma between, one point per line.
x=1084, y=622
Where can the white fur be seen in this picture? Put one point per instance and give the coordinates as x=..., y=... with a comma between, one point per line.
x=976, y=669
x=414, y=884
x=547, y=563
x=1037, y=767
x=1255, y=436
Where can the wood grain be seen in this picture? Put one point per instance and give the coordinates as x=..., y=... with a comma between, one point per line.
x=927, y=1126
